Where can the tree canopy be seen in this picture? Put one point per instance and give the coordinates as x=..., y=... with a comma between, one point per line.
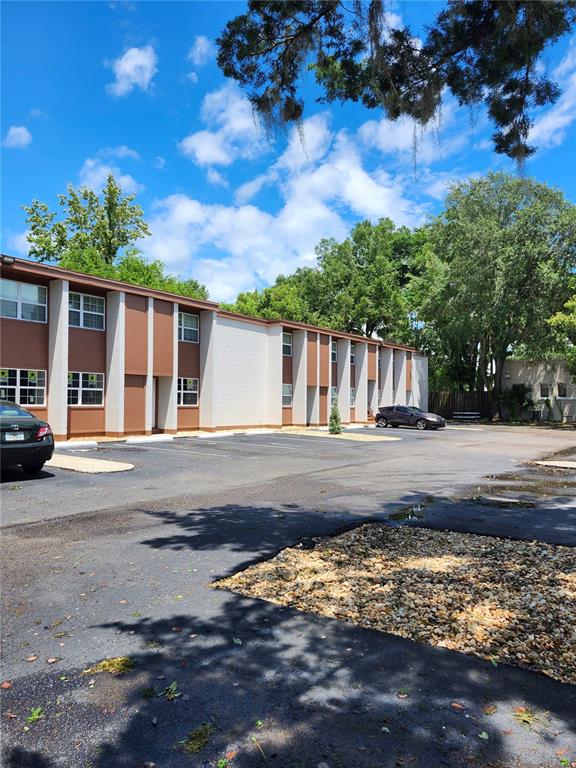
x=480, y=50
x=104, y=225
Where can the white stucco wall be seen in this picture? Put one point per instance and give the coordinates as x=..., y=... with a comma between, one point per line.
x=399, y=377
x=115, y=361
x=551, y=372
x=386, y=374
x=57, y=400
x=420, y=381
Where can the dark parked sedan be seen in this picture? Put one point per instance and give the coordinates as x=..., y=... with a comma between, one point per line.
x=408, y=416
x=24, y=439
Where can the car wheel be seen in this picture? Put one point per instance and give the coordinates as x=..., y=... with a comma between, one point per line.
x=33, y=467
x=421, y=424
x=381, y=421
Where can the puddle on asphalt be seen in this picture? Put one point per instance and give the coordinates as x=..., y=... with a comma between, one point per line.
x=414, y=512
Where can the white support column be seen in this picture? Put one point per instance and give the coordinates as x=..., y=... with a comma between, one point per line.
x=343, y=384
x=274, y=377
x=386, y=373
x=115, y=361
x=313, y=393
x=299, y=377
x=207, y=402
x=400, y=376
x=420, y=381
x=168, y=385
x=58, y=358
x=361, y=381
x=150, y=404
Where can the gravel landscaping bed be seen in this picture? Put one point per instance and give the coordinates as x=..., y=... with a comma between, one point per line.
x=508, y=601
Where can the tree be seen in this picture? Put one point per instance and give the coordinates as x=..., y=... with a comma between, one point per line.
x=481, y=50
x=564, y=323
x=504, y=256
x=131, y=267
x=105, y=225
x=334, y=423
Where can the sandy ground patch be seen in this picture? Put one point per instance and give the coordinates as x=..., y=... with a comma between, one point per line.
x=508, y=601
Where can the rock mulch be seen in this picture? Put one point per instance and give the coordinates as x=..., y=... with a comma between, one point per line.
x=508, y=601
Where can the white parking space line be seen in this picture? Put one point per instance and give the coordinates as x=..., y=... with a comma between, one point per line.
x=181, y=451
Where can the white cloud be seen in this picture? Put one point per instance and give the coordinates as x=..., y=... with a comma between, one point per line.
x=216, y=178
x=95, y=172
x=232, y=133
x=18, y=244
x=37, y=113
x=192, y=76
x=121, y=151
x=202, y=51
x=549, y=129
x=159, y=163
x=17, y=137
x=134, y=69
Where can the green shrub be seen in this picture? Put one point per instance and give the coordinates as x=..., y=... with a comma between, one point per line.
x=335, y=425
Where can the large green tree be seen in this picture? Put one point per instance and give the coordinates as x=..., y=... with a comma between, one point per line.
x=105, y=224
x=482, y=51
x=504, y=253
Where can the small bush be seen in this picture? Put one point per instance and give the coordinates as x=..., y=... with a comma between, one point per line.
x=335, y=425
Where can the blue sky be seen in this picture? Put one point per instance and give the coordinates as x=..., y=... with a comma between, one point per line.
x=133, y=88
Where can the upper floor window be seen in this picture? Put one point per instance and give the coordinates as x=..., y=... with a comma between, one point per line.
x=187, y=391
x=85, y=388
x=561, y=390
x=188, y=327
x=86, y=311
x=287, y=344
x=23, y=386
x=334, y=351
x=352, y=354
x=544, y=390
x=23, y=301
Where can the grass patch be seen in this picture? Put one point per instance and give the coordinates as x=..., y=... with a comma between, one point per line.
x=117, y=665
x=197, y=739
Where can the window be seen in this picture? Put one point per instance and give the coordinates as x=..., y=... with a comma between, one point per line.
x=85, y=388
x=188, y=327
x=544, y=390
x=287, y=344
x=352, y=354
x=23, y=301
x=334, y=351
x=352, y=397
x=333, y=395
x=23, y=386
x=187, y=391
x=287, y=395
x=561, y=390
x=86, y=311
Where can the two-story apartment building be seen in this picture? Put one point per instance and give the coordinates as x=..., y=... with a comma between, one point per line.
x=98, y=357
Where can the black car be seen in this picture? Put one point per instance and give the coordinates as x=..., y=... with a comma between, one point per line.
x=408, y=416
x=24, y=439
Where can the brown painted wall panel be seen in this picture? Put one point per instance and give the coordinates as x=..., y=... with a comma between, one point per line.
x=136, y=355
x=86, y=350
x=86, y=421
x=372, y=360
x=286, y=370
x=324, y=360
x=188, y=418
x=163, y=338
x=323, y=416
x=286, y=417
x=334, y=381
x=311, y=362
x=134, y=403
x=23, y=344
x=40, y=413
x=353, y=375
x=408, y=374
x=188, y=360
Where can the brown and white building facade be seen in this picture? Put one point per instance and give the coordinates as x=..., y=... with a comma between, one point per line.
x=97, y=357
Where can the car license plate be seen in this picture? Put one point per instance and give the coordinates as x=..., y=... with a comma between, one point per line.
x=13, y=436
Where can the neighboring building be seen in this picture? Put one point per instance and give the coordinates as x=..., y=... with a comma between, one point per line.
x=548, y=380
x=100, y=357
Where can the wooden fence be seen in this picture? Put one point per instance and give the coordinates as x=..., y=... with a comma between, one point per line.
x=447, y=403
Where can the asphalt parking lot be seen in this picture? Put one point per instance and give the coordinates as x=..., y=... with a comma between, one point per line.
x=96, y=566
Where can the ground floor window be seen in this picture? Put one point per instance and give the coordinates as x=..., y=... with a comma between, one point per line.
x=333, y=395
x=85, y=388
x=187, y=391
x=352, y=397
x=23, y=386
x=286, y=394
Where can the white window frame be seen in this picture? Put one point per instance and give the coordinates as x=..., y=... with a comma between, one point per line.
x=83, y=311
x=182, y=327
x=287, y=395
x=18, y=386
x=195, y=390
x=333, y=395
x=352, y=397
x=80, y=389
x=19, y=301
x=333, y=351
x=286, y=343
x=352, y=353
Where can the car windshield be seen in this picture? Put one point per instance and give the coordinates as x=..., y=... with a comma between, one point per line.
x=14, y=412
x=415, y=410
